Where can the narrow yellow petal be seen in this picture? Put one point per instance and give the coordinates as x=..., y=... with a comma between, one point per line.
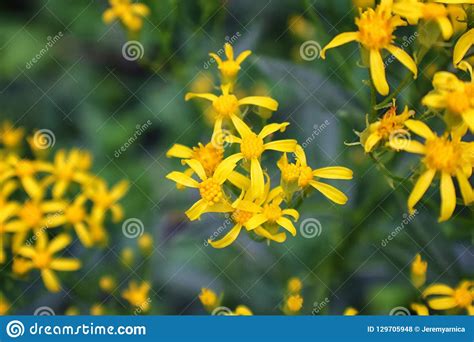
x=226, y=167
x=448, y=197
x=195, y=212
x=59, y=243
x=230, y=237
x=179, y=151
x=279, y=237
x=272, y=128
x=435, y=100
x=260, y=101
x=65, y=264
x=183, y=179
x=287, y=224
x=300, y=155
x=371, y=141
x=83, y=234
x=207, y=96
x=255, y=221
x=462, y=46
x=243, y=56
x=465, y=186
x=229, y=51
x=241, y=126
x=420, y=128
x=50, y=280
x=446, y=27
x=445, y=303
x=420, y=188
x=333, y=172
x=285, y=145
x=339, y=40
x=239, y=180
x=257, y=182
x=438, y=289
x=403, y=144
x=404, y=58
x=197, y=167
x=377, y=72
x=291, y=212
x=335, y=195
x=216, y=58
x=468, y=118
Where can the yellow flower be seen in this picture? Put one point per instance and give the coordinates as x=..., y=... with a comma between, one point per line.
x=454, y=96
x=230, y=67
x=227, y=106
x=107, y=283
x=262, y=215
x=301, y=27
x=72, y=311
x=42, y=258
x=8, y=211
x=130, y=14
x=242, y=310
x=105, y=200
x=375, y=34
x=209, y=299
x=418, y=271
x=76, y=215
x=363, y=3
x=97, y=310
x=462, y=46
x=293, y=304
x=145, y=243
x=252, y=146
x=457, y=16
x=350, y=311
x=450, y=157
x=138, y=295
x=294, y=285
x=307, y=177
x=26, y=171
x=443, y=297
x=420, y=309
x=127, y=256
x=10, y=136
x=213, y=198
x=387, y=128
x=414, y=10
x=209, y=155
x=4, y=305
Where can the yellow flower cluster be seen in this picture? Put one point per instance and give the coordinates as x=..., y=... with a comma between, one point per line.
x=293, y=302
x=441, y=297
x=449, y=154
x=229, y=172
x=45, y=203
x=130, y=14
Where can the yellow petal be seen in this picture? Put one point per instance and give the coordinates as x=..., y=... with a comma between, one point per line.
x=216, y=58
x=335, y=195
x=377, y=72
x=241, y=126
x=404, y=58
x=287, y=224
x=260, y=101
x=141, y=9
x=230, y=237
x=50, y=280
x=465, y=187
x=272, y=128
x=435, y=100
x=179, y=151
x=462, y=46
x=448, y=197
x=255, y=221
x=65, y=264
x=197, y=167
x=279, y=237
x=291, y=212
x=412, y=146
x=300, y=155
x=27, y=252
x=59, y=243
x=207, y=96
x=229, y=51
x=371, y=141
x=333, y=172
x=257, y=182
x=420, y=128
x=183, y=179
x=239, y=180
x=286, y=145
x=445, y=303
x=108, y=16
x=446, y=27
x=420, y=309
x=339, y=40
x=226, y=167
x=243, y=56
x=83, y=234
x=468, y=118
x=119, y=190
x=420, y=188
x=438, y=289
x=195, y=212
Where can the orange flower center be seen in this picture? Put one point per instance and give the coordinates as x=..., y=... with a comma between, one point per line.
x=272, y=211
x=229, y=68
x=459, y=101
x=42, y=260
x=306, y=175
x=31, y=214
x=463, y=297
x=375, y=28
x=75, y=214
x=209, y=156
x=25, y=168
x=241, y=216
x=252, y=146
x=211, y=191
x=443, y=155
x=290, y=172
x=226, y=105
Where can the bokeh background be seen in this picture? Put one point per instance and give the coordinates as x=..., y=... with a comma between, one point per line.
x=91, y=97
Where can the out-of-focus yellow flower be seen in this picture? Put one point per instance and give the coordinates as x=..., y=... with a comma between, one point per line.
x=75, y=214
x=415, y=10
x=443, y=297
x=130, y=14
x=145, y=243
x=4, y=305
x=300, y=27
x=350, y=311
x=72, y=311
x=294, y=285
x=213, y=198
x=203, y=83
x=420, y=309
x=105, y=199
x=8, y=211
x=107, y=283
x=227, y=106
x=456, y=97
x=138, y=295
x=21, y=266
x=252, y=146
x=450, y=157
x=97, y=310
x=209, y=299
x=127, y=256
x=42, y=258
x=389, y=127
x=375, y=34
x=293, y=304
x=10, y=136
x=209, y=155
x=242, y=310
x=462, y=46
x=363, y=3
x=418, y=271
x=230, y=67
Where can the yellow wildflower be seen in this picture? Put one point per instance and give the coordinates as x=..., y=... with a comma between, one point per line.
x=454, y=96
x=294, y=285
x=443, y=297
x=8, y=211
x=252, y=146
x=376, y=27
x=127, y=256
x=138, y=295
x=350, y=311
x=145, y=243
x=76, y=215
x=420, y=309
x=97, y=310
x=10, y=136
x=230, y=67
x=450, y=157
x=418, y=271
x=209, y=299
x=389, y=127
x=42, y=258
x=293, y=304
x=4, y=305
x=414, y=10
x=130, y=14
x=300, y=27
x=209, y=155
x=72, y=311
x=242, y=310
x=213, y=198
x=105, y=199
x=457, y=15
x=107, y=283
x=227, y=106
